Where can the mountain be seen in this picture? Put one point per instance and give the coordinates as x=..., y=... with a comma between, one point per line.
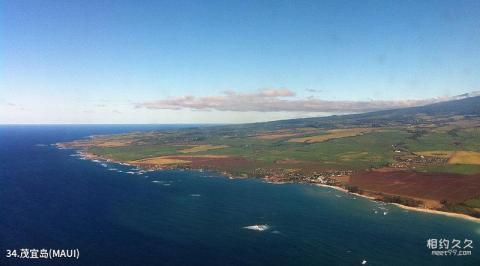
x=467, y=106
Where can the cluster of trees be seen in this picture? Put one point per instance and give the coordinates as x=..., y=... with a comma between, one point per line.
x=354, y=189
x=402, y=200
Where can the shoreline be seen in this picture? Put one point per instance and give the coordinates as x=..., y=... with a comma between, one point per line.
x=89, y=156
x=410, y=208
x=346, y=191
x=450, y=214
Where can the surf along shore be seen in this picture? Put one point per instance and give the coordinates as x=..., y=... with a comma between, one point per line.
x=410, y=208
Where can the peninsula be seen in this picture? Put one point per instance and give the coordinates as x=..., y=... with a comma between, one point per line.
x=423, y=157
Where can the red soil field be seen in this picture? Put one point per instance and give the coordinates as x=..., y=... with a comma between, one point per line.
x=433, y=186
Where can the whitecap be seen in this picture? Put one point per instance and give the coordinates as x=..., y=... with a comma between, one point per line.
x=258, y=227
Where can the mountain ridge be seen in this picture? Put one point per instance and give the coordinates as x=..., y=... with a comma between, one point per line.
x=468, y=106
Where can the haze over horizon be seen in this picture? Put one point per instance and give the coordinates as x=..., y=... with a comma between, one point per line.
x=230, y=62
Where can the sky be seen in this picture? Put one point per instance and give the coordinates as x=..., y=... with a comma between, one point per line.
x=230, y=61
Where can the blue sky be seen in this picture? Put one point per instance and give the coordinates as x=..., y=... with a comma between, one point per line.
x=167, y=62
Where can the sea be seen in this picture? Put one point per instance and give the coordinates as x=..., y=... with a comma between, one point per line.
x=111, y=214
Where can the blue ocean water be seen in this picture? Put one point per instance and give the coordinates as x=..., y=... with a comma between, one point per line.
x=50, y=199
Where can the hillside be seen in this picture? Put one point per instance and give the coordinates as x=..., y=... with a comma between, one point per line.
x=469, y=106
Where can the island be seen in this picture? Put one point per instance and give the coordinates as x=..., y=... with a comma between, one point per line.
x=425, y=157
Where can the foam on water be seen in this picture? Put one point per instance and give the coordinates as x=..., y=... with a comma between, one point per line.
x=258, y=227
x=41, y=145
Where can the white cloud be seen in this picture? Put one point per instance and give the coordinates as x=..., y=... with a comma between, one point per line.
x=277, y=100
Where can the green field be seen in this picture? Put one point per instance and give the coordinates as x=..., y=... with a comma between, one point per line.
x=369, y=150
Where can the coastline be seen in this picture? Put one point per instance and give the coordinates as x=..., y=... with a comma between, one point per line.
x=346, y=191
x=89, y=156
x=410, y=208
x=451, y=214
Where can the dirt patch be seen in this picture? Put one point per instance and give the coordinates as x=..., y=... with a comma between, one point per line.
x=350, y=156
x=214, y=162
x=288, y=161
x=111, y=144
x=430, y=186
x=219, y=162
x=341, y=178
x=200, y=148
x=465, y=157
x=441, y=154
x=276, y=136
x=285, y=133
x=96, y=142
x=162, y=160
x=333, y=134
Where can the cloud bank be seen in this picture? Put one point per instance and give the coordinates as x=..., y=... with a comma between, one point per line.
x=277, y=100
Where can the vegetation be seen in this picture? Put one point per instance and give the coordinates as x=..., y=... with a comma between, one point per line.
x=401, y=200
x=462, y=208
x=353, y=189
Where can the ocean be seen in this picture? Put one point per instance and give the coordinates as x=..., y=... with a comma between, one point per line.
x=51, y=199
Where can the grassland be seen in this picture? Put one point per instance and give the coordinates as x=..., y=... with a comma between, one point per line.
x=201, y=148
x=332, y=134
x=161, y=160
